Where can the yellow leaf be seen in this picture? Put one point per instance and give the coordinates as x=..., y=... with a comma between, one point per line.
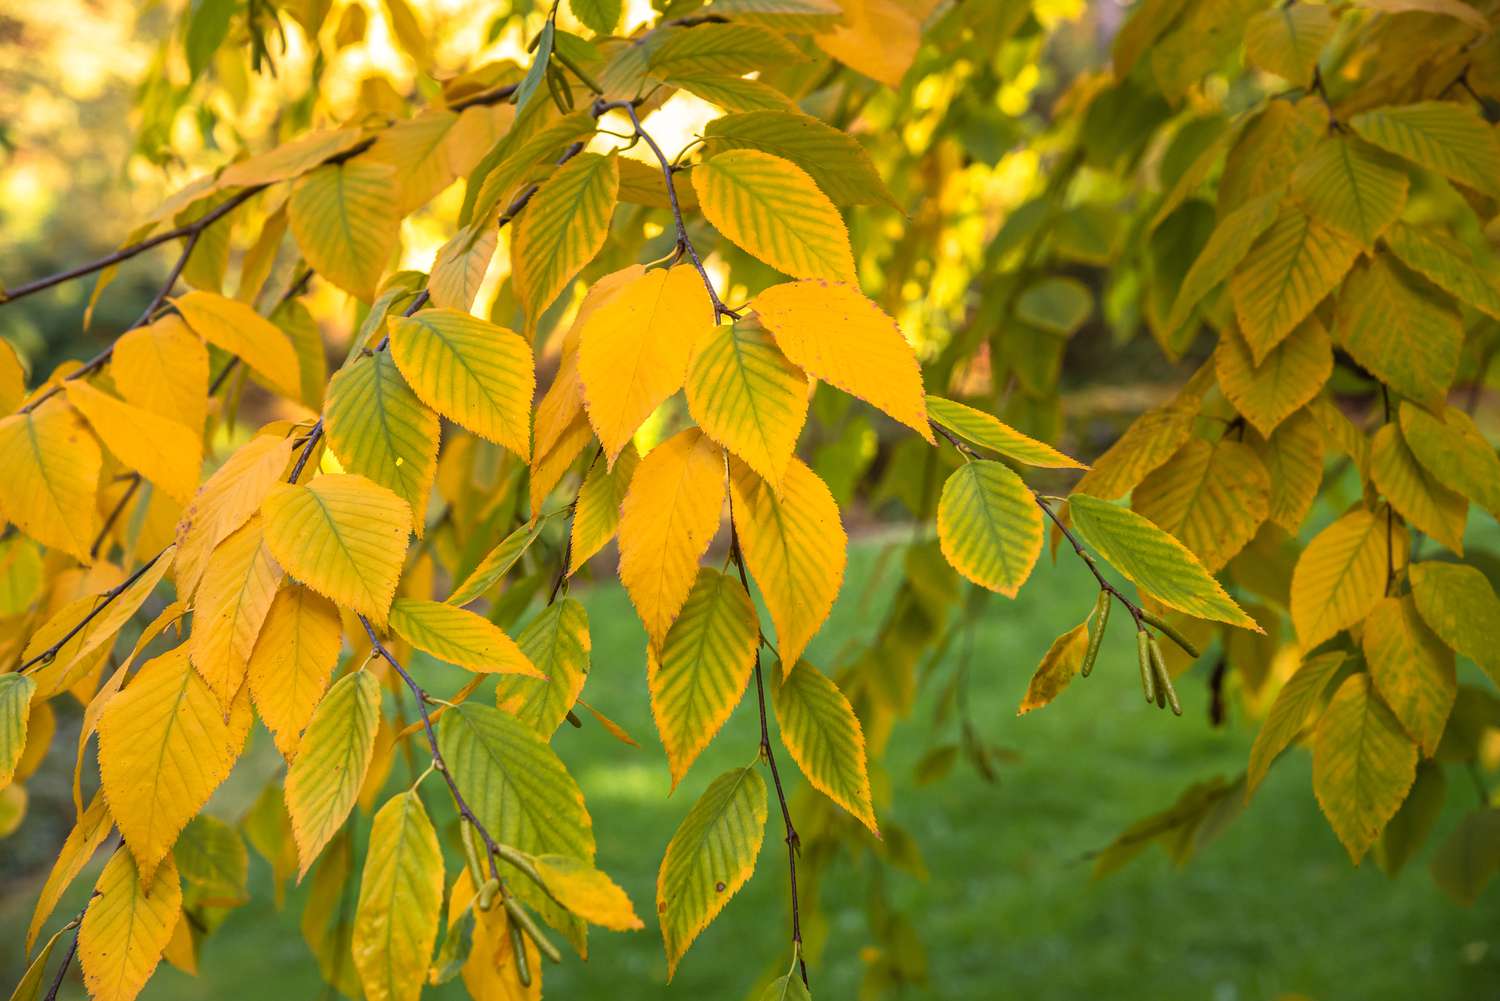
x=242, y=331
x=93, y=827
x=163, y=368
x=1289, y=713
x=597, y=515
x=1455, y=451
x=745, y=394
x=563, y=227
x=292, y=662
x=1342, y=574
x=1363, y=765
x=824, y=737
x=1458, y=603
x=1288, y=40
x=12, y=378
x=709, y=858
x=988, y=431
x=1294, y=264
x=772, y=209
x=346, y=221
x=289, y=159
x=587, y=892
x=634, y=349
x=1411, y=669
x=497, y=563
x=225, y=502
x=1445, y=136
x=1212, y=497
x=701, y=671
x=795, y=548
x=51, y=480
x=1152, y=438
x=491, y=973
x=331, y=761
x=400, y=901
x=989, y=526
x=474, y=373
x=548, y=469
x=1293, y=457
x=668, y=518
x=1351, y=186
x=460, y=265
x=378, y=428
x=126, y=927
x=163, y=450
x=879, y=38
x=834, y=333
x=418, y=149
x=1059, y=664
x=1286, y=379
x=458, y=636
x=1421, y=498
x=343, y=536
x=233, y=601
x=165, y=745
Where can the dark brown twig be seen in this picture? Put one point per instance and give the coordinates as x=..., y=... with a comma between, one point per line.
x=106, y=599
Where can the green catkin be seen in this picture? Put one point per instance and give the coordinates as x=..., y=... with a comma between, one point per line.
x=1143, y=653
x=1171, y=634
x=470, y=838
x=1101, y=614
x=518, y=948
x=1166, y=694
x=487, y=894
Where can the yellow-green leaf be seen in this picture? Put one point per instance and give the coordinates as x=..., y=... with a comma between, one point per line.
x=30, y=986
x=1290, y=375
x=478, y=375
x=1154, y=561
x=240, y=330
x=1411, y=668
x=819, y=728
x=292, y=662
x=833, y=333
x=832, y=157
x=1294, y=705
x=1212, y=497
x=634, y=349
x=1342, y=574
x=795, y=548
x=561, y=230
x=1059, y=664
x=1469, y=859
x=587, y=892
x=127, y=926
x=346, y=221
x=400, y=901
x=704, y=664
x=772, y=209
x=1407, y=335
x=164, y=747
x=1455, y=451
x=1446, y=263
x=1351, y=187
x=1363, y=765
x=597, y=514
x=989, y=526
x=1287, y=40
x=709, y=858
x=1293, y=457
x=728, y=49
x=1417, y=494
x=496, y=563
x=15, y=710
x=332, y=758
x=290, y=159
x=745, y=395
x=1227, y=246
x=1297, y=262
x=1444, y=136
x=1151, y=439
x=1458, y=603
x=378, y=428
x=668, y=518
x=989, y=432
x=51, y=480
x=343, y=536
x=557, y=642
x=458, y=636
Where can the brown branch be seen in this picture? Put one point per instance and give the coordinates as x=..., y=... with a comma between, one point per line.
x=107, y=598
x=114, y=515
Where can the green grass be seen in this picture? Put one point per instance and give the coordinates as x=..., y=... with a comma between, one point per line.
x=1010, y=911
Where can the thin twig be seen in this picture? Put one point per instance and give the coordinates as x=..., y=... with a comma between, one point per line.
x=114, y=515
x=107, y=598
x=62, y=968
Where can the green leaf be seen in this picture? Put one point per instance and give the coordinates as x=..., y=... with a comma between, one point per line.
x=820, y=730
x=1458, y=603
x=1411, y=489
x=478, y=375
x=1056, y=305
x=458, y=636
x=989, y=432
x=345, y=220
x=1469, y=859
x=15, y=711
x=599, y=16
x=379, y=429
x=832, y=157
x=1154, y=561
x=709, y=858
x=733, y=93
x=1406, y=335
x=1408, y=830
x=563, y=227
x=400, y=901
x=497, y=563
x=1295, y=704
x=331, y=762
x=786, y=988
x=30, y=986
x=989, y=526
x=1363, y=765
x=1455, y=451
x=1451, y=139
x=556, y=641
x=1297, y=262
x=533, y=78
x=1288, y=39
x=701, y=671
x=1227, y=246
x=1349, y=186
x=212, y=859
x=596, y=517
x=1411, y=668
x=728, y=50
x=207, y=27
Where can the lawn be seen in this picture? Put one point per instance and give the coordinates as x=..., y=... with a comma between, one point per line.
x=1271, y=909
